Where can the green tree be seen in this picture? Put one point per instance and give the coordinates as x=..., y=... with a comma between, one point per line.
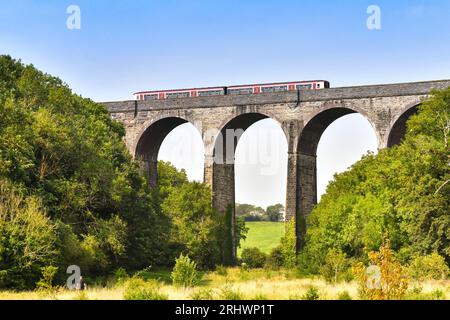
x=27, y=238
x=275, y=212
x=250, y=212
x=402, y=191
x=194, y=223
x=68, y=154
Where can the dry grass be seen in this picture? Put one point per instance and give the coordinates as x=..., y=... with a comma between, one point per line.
x=254, y=284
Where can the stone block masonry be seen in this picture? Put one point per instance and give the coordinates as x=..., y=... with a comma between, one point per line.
x=302, y=115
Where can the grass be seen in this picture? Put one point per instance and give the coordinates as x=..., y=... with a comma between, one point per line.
x=239, y=284
x=263, y=235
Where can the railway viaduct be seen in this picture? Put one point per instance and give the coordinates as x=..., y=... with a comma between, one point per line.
x=302, y=115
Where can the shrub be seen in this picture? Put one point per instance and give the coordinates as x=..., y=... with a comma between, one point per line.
x=221, y=270
x=344, y=295
x=389, y=284
x=143, y=273
x=139, y=289
x=253, y=257
x=202, y=294
x=185, y=272
x=243, y=267
x=311, y=294
x=428, y=267
x=335, y=265
x=275, y=259
x=27, y=240
x=289, y=245
x=48, y=274
x=228, y=293
x=438, y=295
x=417, y=294
x=120, y=275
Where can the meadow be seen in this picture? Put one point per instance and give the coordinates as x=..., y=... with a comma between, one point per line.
x=237, y=284
x=263, y=235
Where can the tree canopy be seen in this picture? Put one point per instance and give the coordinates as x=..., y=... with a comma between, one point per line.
x=402, y=192
x=72, y=194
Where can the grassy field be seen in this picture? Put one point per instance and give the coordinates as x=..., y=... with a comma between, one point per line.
x=236, y=284
x=263, y=235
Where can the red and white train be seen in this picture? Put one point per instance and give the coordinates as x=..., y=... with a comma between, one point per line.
x=233, y=90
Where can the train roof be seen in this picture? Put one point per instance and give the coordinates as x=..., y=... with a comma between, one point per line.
x=234, y=86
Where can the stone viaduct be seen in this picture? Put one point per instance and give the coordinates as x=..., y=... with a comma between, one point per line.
x=302, y=115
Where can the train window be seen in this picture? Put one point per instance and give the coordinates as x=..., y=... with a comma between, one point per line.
x=240, y=91
x=304, y=86
x=174, y=95
x=318, y=85
x=210, y=93
x=274, y=89
x=150, y=97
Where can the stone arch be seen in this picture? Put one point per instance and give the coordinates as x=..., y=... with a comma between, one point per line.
x=304, y=163
x=149, y=141
x=243, y=120
x=155, y=119
x=397, y=129
x=319, y=121
x=222, y=175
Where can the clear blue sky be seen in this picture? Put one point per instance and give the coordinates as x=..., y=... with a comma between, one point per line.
x=126, y=46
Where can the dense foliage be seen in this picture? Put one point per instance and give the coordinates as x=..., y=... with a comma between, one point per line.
x=250, y=212
x=184, y=273
x=194, y=226
x=253, y=258
x=67, y=175
x=403, y=192
x=71, y=193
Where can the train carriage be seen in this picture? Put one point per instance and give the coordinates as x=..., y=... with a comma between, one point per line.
x=232, y=90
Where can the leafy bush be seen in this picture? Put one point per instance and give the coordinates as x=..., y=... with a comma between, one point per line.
x=48, y=274
x=228, y=293
x=417, y=294
x=311, y=294
x=195, y=224
x=27, y=241
x=289, y=245
x=143, y=273
x=120, y=275
x=275, y=259
x=389, y=284
x=438, y=295
x=185, y=272
x=221, y=270
x=253, y=257
x=428, y=267
x=139, y=289
x=335, y=265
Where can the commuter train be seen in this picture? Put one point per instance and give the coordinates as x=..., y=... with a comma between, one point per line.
x=233, y=90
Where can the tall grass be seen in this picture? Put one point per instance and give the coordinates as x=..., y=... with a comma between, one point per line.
x=258, y=284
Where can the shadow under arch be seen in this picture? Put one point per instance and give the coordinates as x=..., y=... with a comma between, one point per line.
x=149, y=143
x=223, y=171
x=306, y=163
x=397, y=131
